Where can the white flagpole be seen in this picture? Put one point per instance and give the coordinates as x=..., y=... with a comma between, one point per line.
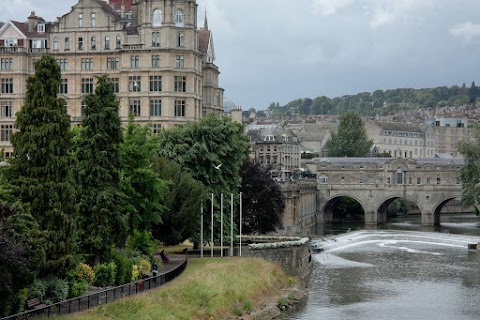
x=231, y=225
x=240, y=225
x=221, y=225
x=211, y=227
x=201, y=231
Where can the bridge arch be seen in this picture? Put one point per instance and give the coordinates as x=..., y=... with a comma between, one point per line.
x=330, y=203
x=382, y=208
x=438, y=209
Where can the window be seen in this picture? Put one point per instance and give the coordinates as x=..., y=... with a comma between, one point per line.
x=155, y=61
x=41, y=28
x=156, y=39
x=80, y=43
x=157, y=18
x=181, y=39
x=67, y=44
x=180, y=84
x=6, y=132
x=93, y=20
x=63, y=86
x=94, y=43
x=80, y=20
x=83, y=109
x=6, y=64
x=388, y=180
x=410, y=180
x=10, y=42
x=179, y=18
x=118, y=42
x=7, y=85
x=6, y=109
x=134, y=61
x=107, y=42
x=135, y=108
x=179, y=108
x=115, y=83
x=62, y=63
x=438, y=181
x=155, y=107
x=419, y=180
x=323, y=179
x=180, y=62
x=428, y=180
x=134, y=83
x=87, y=63
x=87, y=85
x=155, y=83
x=112, y=63
x=156, y=127
x=55, y=43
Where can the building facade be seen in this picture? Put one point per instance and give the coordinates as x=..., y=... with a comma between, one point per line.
x=275, y=148
x=401, y=140
x=448, y=133
x=160, y=64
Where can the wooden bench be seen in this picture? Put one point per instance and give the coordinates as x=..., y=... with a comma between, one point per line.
x=35, y=304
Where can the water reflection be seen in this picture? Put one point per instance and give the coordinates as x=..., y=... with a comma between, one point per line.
x=395, y=278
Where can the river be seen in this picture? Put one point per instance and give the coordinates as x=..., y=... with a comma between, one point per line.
x=397, y=274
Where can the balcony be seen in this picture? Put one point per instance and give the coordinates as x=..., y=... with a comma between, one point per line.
x=13, y=50
x=133, y=47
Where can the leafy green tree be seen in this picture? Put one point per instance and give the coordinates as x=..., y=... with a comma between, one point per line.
x=181, y=220
x=262, y=199
x=351, y=139
x=102, y=203
x=470, y=172
x=212, y=150
x=140, y=182
x=40, y=168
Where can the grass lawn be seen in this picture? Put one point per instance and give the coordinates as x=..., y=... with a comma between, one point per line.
x=210, y=288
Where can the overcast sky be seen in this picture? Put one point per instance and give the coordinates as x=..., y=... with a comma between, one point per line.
x=280, y=50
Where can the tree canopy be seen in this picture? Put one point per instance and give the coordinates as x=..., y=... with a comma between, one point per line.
x=351, y=139
x=470, y=172
x=40, y=171
x=263, y=201
x=102, y=204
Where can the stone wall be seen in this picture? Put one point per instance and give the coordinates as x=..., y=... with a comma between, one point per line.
x=293, y=256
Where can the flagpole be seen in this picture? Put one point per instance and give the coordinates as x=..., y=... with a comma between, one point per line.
x=231, y=225
x=211, y=227
x=201, y=230
x=240, y=225
x=221, y=225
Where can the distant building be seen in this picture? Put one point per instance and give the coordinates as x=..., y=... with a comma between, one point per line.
x=313, y=137
x=160, y=64
x=448, y=133
x=401, y=140
x=275, y=148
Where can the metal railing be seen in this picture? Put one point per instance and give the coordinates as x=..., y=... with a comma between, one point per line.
x=102, y=297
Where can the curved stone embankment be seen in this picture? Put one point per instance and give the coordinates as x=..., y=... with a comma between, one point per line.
x=358, y=237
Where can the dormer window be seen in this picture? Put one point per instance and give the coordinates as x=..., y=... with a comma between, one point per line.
x=157, y=18
x=269, y=138
x=179, y=18
x=41, y=28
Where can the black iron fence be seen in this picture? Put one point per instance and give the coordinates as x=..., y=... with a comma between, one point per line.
x=102, y=297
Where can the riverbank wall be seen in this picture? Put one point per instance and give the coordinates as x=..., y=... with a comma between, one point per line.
x=292, y=254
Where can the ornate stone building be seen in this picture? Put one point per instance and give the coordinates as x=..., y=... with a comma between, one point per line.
x=160, y=64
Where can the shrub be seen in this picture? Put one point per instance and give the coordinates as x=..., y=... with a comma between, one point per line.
x=135, y=273
x=78, y=287
x=144, y=267
x=57, y=290
x=142, y=241
x=85, y=272
x=124, y=267
x=37, y=290
x=105, y=274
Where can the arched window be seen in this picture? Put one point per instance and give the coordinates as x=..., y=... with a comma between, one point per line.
x=119, y=42
x=179, y=18
x=157, y=18
x=399, y=177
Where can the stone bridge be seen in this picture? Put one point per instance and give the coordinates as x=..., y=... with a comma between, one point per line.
x=376, y=182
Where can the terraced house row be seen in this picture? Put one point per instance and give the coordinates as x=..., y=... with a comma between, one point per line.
x=161, y=65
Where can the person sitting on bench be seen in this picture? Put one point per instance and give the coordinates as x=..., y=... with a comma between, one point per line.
x=165, y=259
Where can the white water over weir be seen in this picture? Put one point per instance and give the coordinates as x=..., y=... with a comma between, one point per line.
x=384, y=236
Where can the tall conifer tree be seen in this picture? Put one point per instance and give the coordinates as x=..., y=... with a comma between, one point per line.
x=102, y=204
x=40, y=170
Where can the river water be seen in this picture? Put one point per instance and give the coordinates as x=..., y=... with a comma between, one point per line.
x=396, y=274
